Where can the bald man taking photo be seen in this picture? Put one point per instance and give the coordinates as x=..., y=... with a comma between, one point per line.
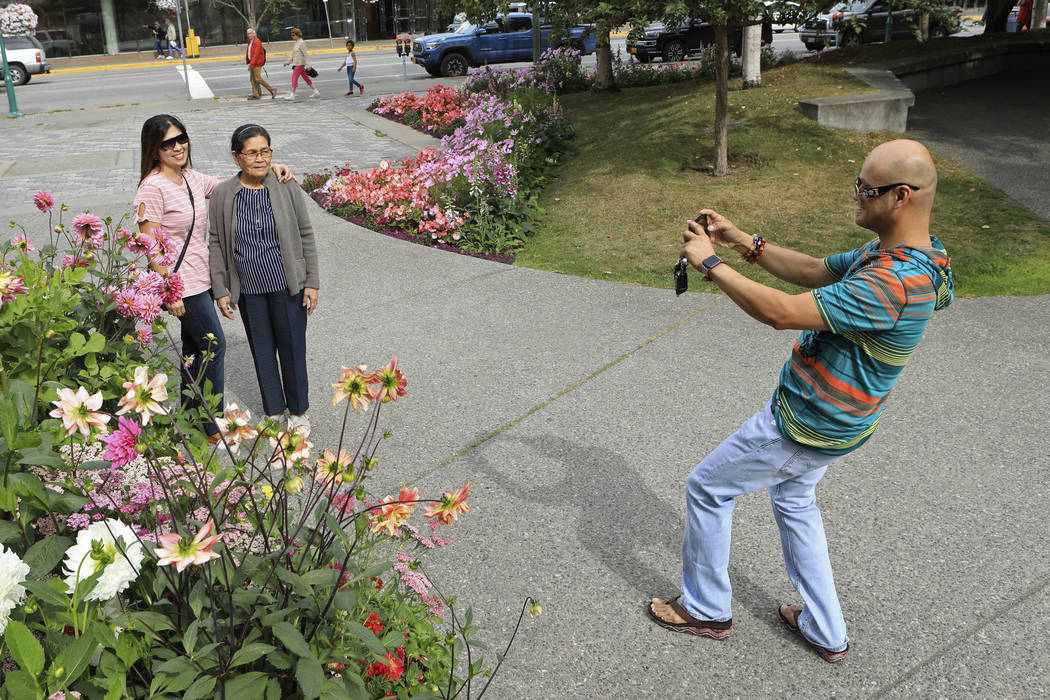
x=860, y=323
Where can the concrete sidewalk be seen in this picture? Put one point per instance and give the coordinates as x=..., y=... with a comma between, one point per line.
x=577, y=407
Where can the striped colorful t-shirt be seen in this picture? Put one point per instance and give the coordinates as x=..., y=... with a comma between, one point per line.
x=169, y=205
x=832, y=390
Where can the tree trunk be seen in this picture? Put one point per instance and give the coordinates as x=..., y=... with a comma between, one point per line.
x=752, y=55
x=924, y=26
x=1038, y=15
x=721, y=101
x=603, y=73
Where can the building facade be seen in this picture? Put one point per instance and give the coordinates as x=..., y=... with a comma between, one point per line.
x=116, y=26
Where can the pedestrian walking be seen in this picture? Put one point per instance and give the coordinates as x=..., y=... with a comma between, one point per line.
x=173, y=39
x=159, y=37
x=171, y=196
x=300, y=62
x=255, y=57
x=861, y=322
x=350, y=63
x=264, y=259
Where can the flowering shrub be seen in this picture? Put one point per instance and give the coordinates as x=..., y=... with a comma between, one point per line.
x=17, y=18
x=139, y=560
x=470, y=193
x=438, y=111
x=562, y=68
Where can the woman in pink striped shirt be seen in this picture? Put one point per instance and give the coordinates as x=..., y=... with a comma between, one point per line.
x=171, y=196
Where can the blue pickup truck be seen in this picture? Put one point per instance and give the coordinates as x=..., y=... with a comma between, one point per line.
x=507, y=39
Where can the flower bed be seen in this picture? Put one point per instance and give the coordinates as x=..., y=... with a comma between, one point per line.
x=474, y=194
x=135, y=562
x=501, y=135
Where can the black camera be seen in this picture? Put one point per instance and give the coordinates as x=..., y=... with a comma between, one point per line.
x=681, y=268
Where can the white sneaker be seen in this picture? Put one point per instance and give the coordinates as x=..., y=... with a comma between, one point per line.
x=315, y=93
x=171, y=58
x=290, y=96
x=302, y=421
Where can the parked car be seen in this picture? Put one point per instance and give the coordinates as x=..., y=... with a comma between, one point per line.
x=25, y=58
x=859, y=22
x=57, y=42
x=688, y=39
x=507, y=39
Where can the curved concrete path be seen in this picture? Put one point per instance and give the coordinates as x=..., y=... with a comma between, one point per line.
x=576, y=408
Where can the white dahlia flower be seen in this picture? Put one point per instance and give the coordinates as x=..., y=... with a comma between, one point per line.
x=96, y=550
x=13, y=572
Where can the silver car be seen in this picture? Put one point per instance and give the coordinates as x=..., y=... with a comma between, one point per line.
x=25, y=58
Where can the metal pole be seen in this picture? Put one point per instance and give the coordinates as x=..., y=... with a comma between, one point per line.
x=12, y=103
x=328, y=21
x=185, y=70
x=889, y=20
x=186, y=4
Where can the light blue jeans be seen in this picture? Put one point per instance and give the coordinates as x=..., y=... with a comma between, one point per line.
x=757, y=456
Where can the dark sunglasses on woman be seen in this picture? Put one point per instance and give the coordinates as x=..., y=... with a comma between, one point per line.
x=168, y=144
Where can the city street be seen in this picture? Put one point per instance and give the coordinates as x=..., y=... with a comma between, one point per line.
x=381, y=70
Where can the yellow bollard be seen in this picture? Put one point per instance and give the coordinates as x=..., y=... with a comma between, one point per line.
x=192, y=45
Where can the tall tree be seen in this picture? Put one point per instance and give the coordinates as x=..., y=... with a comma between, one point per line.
x=253, y=12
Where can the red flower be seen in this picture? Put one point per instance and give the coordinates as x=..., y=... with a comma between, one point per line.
x=392, y=669
x=378, y=582
x=373, y=623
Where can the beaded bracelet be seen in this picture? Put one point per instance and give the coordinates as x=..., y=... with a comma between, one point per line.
x=758, y=244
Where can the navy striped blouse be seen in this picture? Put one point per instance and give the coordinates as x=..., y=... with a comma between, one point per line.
x=256, y=249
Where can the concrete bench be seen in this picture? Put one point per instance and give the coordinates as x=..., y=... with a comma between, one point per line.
x=887, y=109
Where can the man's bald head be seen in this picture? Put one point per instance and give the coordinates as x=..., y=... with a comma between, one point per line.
x=904, y=161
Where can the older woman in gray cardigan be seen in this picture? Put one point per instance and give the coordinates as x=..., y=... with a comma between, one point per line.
x=263, y=258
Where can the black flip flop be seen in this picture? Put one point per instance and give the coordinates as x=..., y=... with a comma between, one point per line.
x=701, y=628
x=832, y=657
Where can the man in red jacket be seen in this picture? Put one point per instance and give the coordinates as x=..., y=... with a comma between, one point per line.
x=255, y=57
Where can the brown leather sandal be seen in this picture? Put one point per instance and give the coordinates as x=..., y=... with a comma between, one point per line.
x=791, y=620
x=701, y=628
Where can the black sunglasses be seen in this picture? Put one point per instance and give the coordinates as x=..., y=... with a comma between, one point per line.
x=168, y=144
x=872, y=192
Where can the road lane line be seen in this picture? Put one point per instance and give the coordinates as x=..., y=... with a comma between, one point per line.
x=199, y=89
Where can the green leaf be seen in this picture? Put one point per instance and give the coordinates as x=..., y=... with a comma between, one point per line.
x=249, y=653
x=346, y=599
x=200, y=688
x=367, y=637
x=46, y=594
x=117, y=686
x=72, y=661
x=279, y=660
x=197, y=598
x=253, y=685
x=24, y=648
x=292, y=639
x=334, y=690
x=96, y=343
x=20, y=684
x=8, y=419
x=29, y=486
x=150, y=621
x=189, y=637
x=310, y=676
x=318, y=577
x=354, y=684
x=8, y=531
x=42, y=455
x=294, y=580
x=67, y=502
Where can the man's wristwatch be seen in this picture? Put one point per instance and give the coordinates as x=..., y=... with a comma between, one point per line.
x=708, y=264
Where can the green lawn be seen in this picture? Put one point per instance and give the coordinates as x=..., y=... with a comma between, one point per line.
x=619, y=204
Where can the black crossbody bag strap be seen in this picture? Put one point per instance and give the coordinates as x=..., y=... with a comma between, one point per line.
x=189, y=233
